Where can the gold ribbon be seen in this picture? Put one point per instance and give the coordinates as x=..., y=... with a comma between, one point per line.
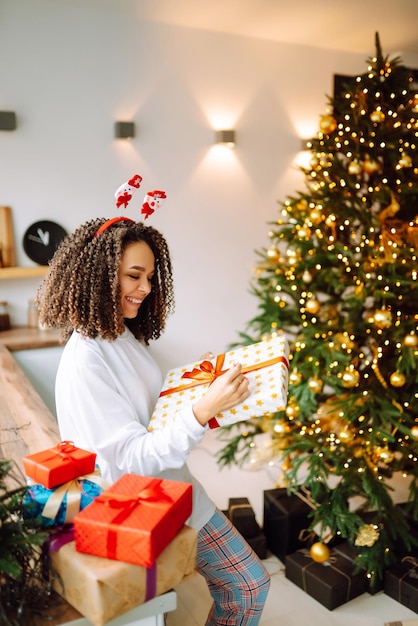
x=206, y=373
x=303, y=494
x=72, y=490
x=306, y=535
x=410, y=572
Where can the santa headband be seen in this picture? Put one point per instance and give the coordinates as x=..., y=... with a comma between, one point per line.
x=153, y=200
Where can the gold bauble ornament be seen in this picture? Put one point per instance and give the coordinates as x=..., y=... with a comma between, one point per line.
x=304, y=232
x=295, y=377
x=327, y=124
x=377, y=116
x=382, y=318
x=292, y=410
x=359, y=291
x=316, y=216
x=405, y=161
x=397, y=379
x=350, y=378
x=281, y=428
x=385, y=455
x=273, y=254
x=358, y=452
x=411, y=340
x=307, y=277
x=345, y=435
x=354, y=168
x=312, y=306
x=315, y=384
x=344, y=341
x=370, y=166
x=302, y=204
x=292, y=254
x=319, y=552
x=414, y=432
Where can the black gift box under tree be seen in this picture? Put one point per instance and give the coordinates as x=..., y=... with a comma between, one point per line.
x=401, y=582
x=350, y=552
x=332, y=583
x=285, y=516
x=242, y=515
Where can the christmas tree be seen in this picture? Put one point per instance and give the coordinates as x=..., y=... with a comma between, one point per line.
x=339, y=278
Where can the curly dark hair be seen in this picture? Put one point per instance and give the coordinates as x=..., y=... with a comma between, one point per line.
x=81, y=290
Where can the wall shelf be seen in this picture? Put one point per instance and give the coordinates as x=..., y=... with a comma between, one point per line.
x=22, y=272
x=26, y=338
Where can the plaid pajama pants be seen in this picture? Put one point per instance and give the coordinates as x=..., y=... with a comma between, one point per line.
x=238, y=582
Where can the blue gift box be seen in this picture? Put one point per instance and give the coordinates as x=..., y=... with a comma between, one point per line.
x=58, y=506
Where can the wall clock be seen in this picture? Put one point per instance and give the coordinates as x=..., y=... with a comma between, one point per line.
x=41, y=240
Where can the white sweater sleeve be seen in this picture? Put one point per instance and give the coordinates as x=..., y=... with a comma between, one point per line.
x=99, y=412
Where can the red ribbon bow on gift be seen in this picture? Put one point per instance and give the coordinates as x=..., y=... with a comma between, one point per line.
x=151, y=494
x=207, y=373
x=63, y=449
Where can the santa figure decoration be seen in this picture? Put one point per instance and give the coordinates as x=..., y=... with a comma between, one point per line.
x=124, y=194
x=153, y=200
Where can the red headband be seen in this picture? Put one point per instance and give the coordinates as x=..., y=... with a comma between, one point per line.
x=109, y=223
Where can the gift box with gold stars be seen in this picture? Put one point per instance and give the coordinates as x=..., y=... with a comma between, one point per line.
x=265, y=364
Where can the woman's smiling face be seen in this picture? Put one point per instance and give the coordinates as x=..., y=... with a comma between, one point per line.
x=135, y=277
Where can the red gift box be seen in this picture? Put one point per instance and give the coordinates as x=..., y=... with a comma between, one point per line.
x=134, y=519
x=55, y=466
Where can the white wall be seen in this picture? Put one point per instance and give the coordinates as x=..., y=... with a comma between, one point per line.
x=69, y=73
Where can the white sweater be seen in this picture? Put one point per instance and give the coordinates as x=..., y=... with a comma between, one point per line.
x=105, y=394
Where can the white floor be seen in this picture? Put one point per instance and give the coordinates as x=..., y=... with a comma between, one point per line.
x=286, y=605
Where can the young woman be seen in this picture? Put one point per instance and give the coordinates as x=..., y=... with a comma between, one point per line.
x=110, y=290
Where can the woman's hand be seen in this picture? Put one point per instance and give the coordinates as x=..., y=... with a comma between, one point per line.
x=225, y=392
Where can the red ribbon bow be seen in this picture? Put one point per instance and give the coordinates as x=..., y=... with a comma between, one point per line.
x=151, y=494
x=206, y=372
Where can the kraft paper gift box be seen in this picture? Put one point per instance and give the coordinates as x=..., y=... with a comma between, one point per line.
x=285, y=517
x=401, y=582
x=58, y=465
x=134, y=519
x=103, y=589
x=60, y=505
x=332, y=583
x=265, y=364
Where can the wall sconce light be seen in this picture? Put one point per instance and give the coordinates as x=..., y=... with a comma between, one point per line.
x=225, y=137
x=7, y=120
x=124, y=130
